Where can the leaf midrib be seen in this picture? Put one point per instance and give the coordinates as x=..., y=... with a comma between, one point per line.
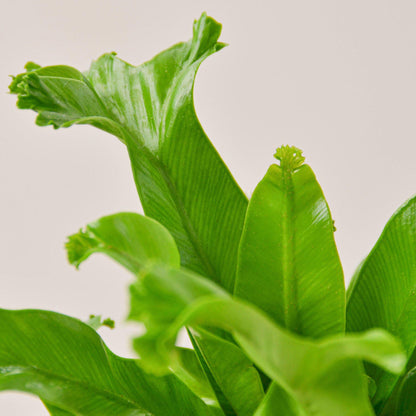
x=179, y=204
x=100, y=391
x=288, y=253
x=174, y=194
x=223, y=401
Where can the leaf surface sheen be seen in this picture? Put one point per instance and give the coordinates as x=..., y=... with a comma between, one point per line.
x=66, y=364
x=288, y=262
x=383, y=292
x=181, y=179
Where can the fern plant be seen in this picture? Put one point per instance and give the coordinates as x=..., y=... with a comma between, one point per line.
x=257, y=284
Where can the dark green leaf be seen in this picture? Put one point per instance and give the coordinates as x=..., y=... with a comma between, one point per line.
x=391, y=404
x=288, y=262
x=372, y=387
x=383, y=291
x=181, y=180
x=66, y=364
x=406, y=405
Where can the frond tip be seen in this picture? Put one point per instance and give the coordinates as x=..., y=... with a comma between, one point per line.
x=79, y=246
x=290, y=157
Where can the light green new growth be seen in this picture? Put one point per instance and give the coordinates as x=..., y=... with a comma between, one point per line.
x=257, y=284
x=290, y=157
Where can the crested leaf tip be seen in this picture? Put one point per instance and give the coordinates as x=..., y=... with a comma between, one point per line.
x=78, y=247
x=290, y=157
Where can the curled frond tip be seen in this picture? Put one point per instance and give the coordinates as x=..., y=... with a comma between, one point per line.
x=290, y=157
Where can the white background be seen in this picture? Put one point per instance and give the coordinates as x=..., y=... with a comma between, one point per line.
x=335, y=78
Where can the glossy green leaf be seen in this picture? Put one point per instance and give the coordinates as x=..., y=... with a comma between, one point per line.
x=66, y=364
x=229, y=371
x=299, y=365
x=136, y=241
x=383, y=291
x=181, y=180
x=131, y=239
x=288, y=262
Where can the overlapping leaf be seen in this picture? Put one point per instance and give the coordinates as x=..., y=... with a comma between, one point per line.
x=306, y=370
x=66, y=364
x=137, y=242
x=288, y=262
x=406, y=404
x=383, y=291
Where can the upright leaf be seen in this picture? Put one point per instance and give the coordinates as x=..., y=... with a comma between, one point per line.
x=190, y=371
x=308, y=371
x=400, y=393
x=66, y=364
x=288, y=262
x=181, y=180
x=383, y=291
x=236, y=380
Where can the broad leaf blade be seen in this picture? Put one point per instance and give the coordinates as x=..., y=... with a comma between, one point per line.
x=66, y=364
x=299, y=365
x=181, y=180
x=131, y=239
x=288, y=262
x=230, y=373
x=136, y=242
x=383, y=291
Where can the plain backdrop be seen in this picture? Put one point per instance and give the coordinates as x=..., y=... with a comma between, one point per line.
x=335, y=78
